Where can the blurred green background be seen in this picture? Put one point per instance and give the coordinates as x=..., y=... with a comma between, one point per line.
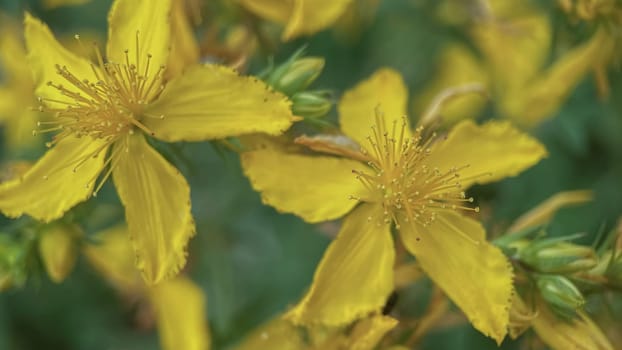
x=253, y=262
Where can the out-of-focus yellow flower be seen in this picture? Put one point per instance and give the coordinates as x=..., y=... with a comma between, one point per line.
x=17, y=91
x=300, y=17
x=405, y=178
x=50, y=4
x=184, y=47
x=178, y=303
x=103, y=112
x=589, y=10
x=358, y=15
x=281, y=334
x=607, y=15
x=58, y=248
x=559, y=333
x=514, y=43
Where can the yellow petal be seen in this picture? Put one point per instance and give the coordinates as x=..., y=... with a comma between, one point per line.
x=368, y=332
x=7, y=103
x=457, y=65
x=145, y=21
x=17, y=96
x=18, y=129
x=17, y=117
x=300, y=17
x=58, y=250
x=580, y=334
x=157, y=208
x=50, y=4
x=181, y=312
x=541, y=97
x=355, y=276
x=44, y=53
x=184, y=46
x=112, y=255
x=314, y=188
x=364, y=335
x=492, y=151
x=273, y=10
x=210, y=101
x=276, y=334
x=311, y=16
x=476, y=276
x=384, y=92
x=545, y=210
x=51, y=186
x=13, y=54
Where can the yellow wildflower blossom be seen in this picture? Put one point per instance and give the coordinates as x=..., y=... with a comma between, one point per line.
x=17, y=91
x=514, y=44
x=402, y=177
x=181, y=325
x=103, y=113
x=300, y=17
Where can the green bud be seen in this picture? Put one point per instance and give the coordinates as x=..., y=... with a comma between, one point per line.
x=560, y=293
x=295, y=75
x=313, y=104
x=553, y=256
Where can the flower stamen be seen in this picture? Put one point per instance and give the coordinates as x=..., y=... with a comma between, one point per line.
x=107, y=107
x=403, y=182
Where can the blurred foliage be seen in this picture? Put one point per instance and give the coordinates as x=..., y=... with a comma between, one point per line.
x=253, y=262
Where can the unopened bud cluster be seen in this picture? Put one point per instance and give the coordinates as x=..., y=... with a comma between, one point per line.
x=293, y=78
x=561, y=271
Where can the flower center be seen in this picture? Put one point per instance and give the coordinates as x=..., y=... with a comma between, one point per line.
x=106, y=108
x=110, y=105
x=400, y=179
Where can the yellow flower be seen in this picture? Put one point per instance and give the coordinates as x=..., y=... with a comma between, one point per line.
x=181, y=325
x=513, y=48
x=300, y=17
x=17, y=92
x=103, y=112
x=400, y=177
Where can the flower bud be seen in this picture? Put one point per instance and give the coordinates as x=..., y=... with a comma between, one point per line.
x=295, y=75
x=560, y=293
x=552, y=256
x=314, y=104
x=58, y=250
